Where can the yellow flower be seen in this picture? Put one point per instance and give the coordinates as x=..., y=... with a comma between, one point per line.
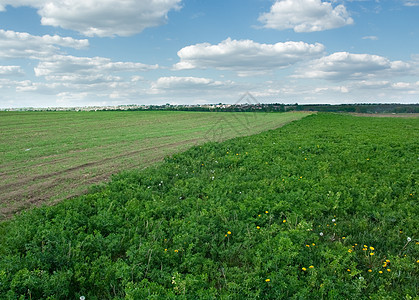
x=370, y=270
x=387, y=260
x=343, y=238
x=313, y=244
x=365, y=246
x=350, y=250
x=267, y=280
x=311, y=267
x=304, y=269
x=266, y=212
x=257, y=227
x=308, y=246
x=417, y=261
x=388, y=270
x=228, y=232
x=225, y=235
x=372, y=253
x=176, y=250
x=284, y=221
x=349, y=270
x=372, y=248
x=365, y=249
x=381, y=272
x=165, y=249
x=258, y=215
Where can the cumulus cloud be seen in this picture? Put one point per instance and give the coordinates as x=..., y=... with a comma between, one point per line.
x=305, y=16
x=24, y=45
x=185, y=84
x=11, y=71
x=345, y=66
x=86, y=70
x=100, y=17
x=246, y=56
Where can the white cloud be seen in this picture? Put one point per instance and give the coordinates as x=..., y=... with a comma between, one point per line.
x=305, y=16
x=370, y=37
x=411, y=2
x=24, y=45
x=86, y=69
x=100, y=17
x=345, y=66
x=187, y=84
x=246, y=56
x=11, y=71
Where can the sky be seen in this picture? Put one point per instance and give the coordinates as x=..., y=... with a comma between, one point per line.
x=62, y=53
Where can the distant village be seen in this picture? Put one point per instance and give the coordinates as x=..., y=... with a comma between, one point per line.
x=243, y=107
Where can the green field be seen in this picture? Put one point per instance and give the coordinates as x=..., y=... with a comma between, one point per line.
x=48, y=156
x=322, y=208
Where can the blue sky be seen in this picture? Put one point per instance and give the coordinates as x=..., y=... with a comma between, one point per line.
x=105, y=52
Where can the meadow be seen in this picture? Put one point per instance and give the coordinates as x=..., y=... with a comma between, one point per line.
x=49, y=156
x=325, y=207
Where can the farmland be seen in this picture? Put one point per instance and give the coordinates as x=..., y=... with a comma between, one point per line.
x=325, y=207
x=49, y=156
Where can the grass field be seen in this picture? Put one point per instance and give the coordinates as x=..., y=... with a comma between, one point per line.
x=322, y=208
x=48, y=156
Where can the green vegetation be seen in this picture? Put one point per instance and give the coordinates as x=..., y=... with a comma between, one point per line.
x=49, y=156
x=325, y=207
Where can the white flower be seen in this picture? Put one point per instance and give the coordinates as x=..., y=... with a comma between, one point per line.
x=82, y=297
x=333, y=220
x=409, y=239
x=321, y=233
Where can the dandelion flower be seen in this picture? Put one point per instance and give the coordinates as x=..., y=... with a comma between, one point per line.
x=308, y=246
x=370, y=270
x=228, y=232
x=387, y=260
x=311, y=267
x=350, y=250
x=321, y=233
x=372, y=253
x=372, y=248
x=266, y=212
x=333, y=220
x=313, y=244
x=267, y=280
x=165, y=249
x=176, y=250
x=349, y=270
x=343, y=238
x=409, y=239
x=284, y=221
x=381, y=272
x=388, y=270
x=257, y=227
x=304, y=269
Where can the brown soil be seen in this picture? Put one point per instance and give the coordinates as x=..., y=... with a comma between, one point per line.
x=31, y=191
